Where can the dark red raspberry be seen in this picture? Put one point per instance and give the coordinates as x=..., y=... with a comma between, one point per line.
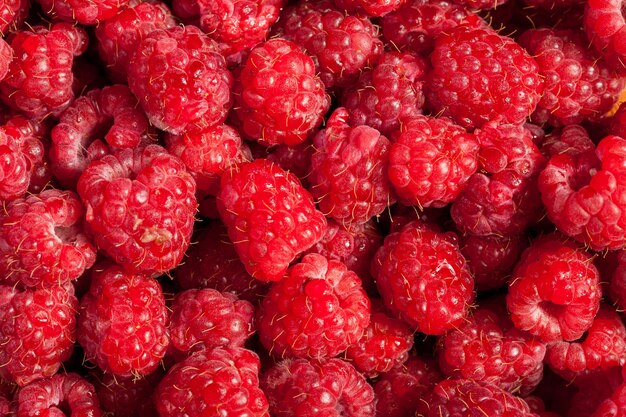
x=123, y=322
x=211, y=383
x=206, y=319
x=413, y=282
x=305, y=388
x=572, y=140
x=502, y=197
x=578, y=86
x=37, y=333
x=538, y=407
x=555, y=290
x=593, y=389
x=615, y=406
x=40, y=76
x=479, y=75
x=371, y=7
x=90, y=12
x=126, y=397
x=388, y=95
x=180, y=79
x=270, y=217
x=279, y=98
x=58, y=396
x=140, y=207
x=606, y=30
x=349, y=171
x=12, y=15
x=584, y=194
x=341, y=45
x=118, y=36
x=431, y=160
x=480, y=4
x=42, y=242
x=617, y=122
x=617, y=281
x=316, y=311
x=295, y=159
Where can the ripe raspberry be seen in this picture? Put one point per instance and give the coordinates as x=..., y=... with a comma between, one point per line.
x=555, y=292
x=37, y=333
x=617, y=281
x=270, y=217
x=431, y=160
x=593, y=389
x=40, y=76
x=123, y=322
x=206, y=319
x=316, y=311
x=118, y=36
x=341, y=45
x=572, y=139
x=479, y=76
x=42, y=242
x=89, y=12
x=180, y=79
x=295, y=159
x=584, y=194
x=128, y=397
x=58, y=395
x=577, y=85
x=12, y=15
x=388, y=95
x=480, y=4
x=211, y=383
x=279, y=97
x=332, y=388
x=349, y=171
x=413, y=284
x=617, y=123
x=140, y=207
x=502, y=198
x=605, y=25
x=236, y=25
x=615, y=406
x=6, y=56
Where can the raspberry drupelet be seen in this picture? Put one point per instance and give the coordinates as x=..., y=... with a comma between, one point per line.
x=84, y=12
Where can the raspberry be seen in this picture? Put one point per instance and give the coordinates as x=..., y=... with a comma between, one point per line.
x=42, y=242
x=180, y=79
x=37, y=333
x=12, y=15
x=480, y=4
x=388, y=95
x=594, y=389
x=555, y=292
x=431, y=160
x=332, y=388
x=410, y=278
x=57, y=395
x=349, y=171
x=617, y=123
x=572, y=139
x=316, y=311
x=615, y=406
x=605, y=25
x=90, y=12
x=118, y=36
x=123, y=322
x=584, y=194
x=479, y=76
x=341, y=46
x=577, y=85
x=502, y=198
x=128, y=397
x=213, y=382
x=140, y=207
x=270, y=217
x=40, y=76
x=295, y=159
x=617, y=281
x=6, y=56
x=206, y=319
x=279, y=97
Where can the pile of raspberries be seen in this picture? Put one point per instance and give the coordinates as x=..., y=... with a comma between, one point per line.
x=313, y=208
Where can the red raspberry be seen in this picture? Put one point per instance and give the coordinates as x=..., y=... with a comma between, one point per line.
x=605, y=25
x=332, y=388
x=555, y=291
x=140, y=207
x=40, y=76
x=123, y=322
x=479, y=76
x=85, y=12
x=617, y=281
x=279, y=97
x=341, y=45
x=373, y=8
x=206, y=319
x=502, y=198
x=295, y=159
x=349, y=171
x=431, y=160
x=237, y=25
x=615, y=406
x=385, y=344
x=270, y=217
x=42, y=242
x=130, y=397
x=577, y=85
x=180, y=79
x=6, y=56
x=58, y=395
x=572, y=139
x=593, y=390
x=388, y=95
x=413, y=284
x=316, y=311
x=211, y=383
x=118, y=36
x=617, y=123
x=37, y=333
x=584, y=194
x=12, y=15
